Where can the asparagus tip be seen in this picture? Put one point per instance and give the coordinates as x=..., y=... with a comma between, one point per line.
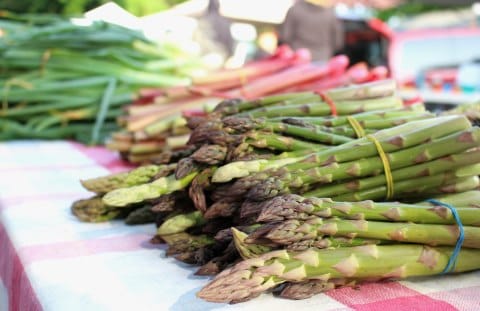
x=232, y=286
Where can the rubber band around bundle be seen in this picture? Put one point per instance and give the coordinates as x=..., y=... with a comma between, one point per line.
x=45, y=58
x=461, y=236
x=386, y=165
x=357, y=127
x=329, y=102
x=8, y=85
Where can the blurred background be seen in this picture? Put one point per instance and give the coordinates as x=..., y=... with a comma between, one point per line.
x=431, y=47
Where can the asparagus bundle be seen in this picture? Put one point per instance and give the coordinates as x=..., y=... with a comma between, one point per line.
x=246, y=152
x=451, y=170
x=58, y=73
x=250, y=278
x=153, y=133
x=216, y=141
x=297, y=219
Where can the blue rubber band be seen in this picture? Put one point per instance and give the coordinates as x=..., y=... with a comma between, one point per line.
x=453, y=258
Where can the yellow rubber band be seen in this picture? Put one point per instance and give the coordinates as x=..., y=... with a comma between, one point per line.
x=6, y=89
x=357, y=127
x=45, y=58
x=386, y=165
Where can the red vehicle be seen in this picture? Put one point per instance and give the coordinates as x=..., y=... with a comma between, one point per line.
x=429, y=62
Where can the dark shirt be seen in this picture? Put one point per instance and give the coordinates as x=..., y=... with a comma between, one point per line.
x=314, y=27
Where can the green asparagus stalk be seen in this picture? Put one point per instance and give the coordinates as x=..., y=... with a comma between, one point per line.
x=313, y=133
x=464, y=199
x=250, y=278
x=180, y=223
x=390, y=122
x=235, y=106
x=301, y=208
x=429, y=234
x=299, y=129
x=376, y=89
x=94, y=210
x=413, y=110
x=282, y=143
x=138, y=176
x=333, y=242
x=251, y=245
x=320, y=108
x=456, y=185
x=381, y=88
x=164, y=185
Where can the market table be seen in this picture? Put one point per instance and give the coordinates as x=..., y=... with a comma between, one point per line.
x=51, y=261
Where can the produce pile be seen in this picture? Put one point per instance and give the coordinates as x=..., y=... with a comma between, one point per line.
x=56, y=73
x=152, y=129
x=300, y=192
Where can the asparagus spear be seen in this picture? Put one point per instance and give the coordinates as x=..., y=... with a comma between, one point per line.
x=164, y=185
x=134, y=177
x=333, y=242
x=413, y=110
x=464, y=199
x=320, y=108
x=364, y=91
x=429, y=234
x=282, y=143
x=94, y=210
x=303, y=130
x=252, y=250
x=250, y=278
x=313, y=133
x=180, y=223
x=235, y=106
x=456, y=185
x=301, y=208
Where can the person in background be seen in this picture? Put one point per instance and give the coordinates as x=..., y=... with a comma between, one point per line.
x=312, y=24
x=213, y=34
x=220, y=26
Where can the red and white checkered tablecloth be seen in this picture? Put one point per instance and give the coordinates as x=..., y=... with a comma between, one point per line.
x=51, y=261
